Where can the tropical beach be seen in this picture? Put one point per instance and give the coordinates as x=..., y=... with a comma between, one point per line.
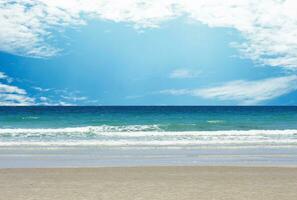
x=148, y=99
x=148, y=153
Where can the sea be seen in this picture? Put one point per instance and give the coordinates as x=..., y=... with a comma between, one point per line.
x=73, y=136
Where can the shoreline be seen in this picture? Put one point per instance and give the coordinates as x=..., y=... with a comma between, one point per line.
x=176, y=183
x=133, y=157
x=155, y=166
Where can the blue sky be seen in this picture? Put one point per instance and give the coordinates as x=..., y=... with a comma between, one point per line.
x=148, y=53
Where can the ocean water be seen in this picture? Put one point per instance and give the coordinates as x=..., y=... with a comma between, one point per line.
x=147, y=135
x=149, y=126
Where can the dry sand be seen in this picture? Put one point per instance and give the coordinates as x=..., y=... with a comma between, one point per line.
x=238, y=183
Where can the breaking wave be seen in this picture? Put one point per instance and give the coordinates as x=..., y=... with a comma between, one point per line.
x=144, y=135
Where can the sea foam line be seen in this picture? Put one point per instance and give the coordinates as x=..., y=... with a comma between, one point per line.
x=137, y=131
x=151, y=143
x=85, y=129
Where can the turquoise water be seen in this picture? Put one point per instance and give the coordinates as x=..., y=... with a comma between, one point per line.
x=166, y=118
x=148, y=125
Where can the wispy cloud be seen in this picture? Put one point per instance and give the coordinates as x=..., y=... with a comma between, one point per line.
x=243, y=92
x=63, y=97
x=47, y=101
x=74, y=98
x=176, y=92
x=6, y=78
x=27, y=25
x=11, y=95
x=43, y=99
x=268, y=26
x=183, y=74
x=41, y=89
x=3, y=75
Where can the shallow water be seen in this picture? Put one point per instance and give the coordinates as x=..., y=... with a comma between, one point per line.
x=148, y=126
x=133, y=136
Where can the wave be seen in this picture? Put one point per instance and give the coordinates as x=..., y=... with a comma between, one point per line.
x=85, y=129
x=30, y=117
x=144, y=135
x=138, y=131
x=121, y=143
x=215, y=121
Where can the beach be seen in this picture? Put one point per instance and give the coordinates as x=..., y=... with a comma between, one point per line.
x=127, y=153
x=238, y=183
x=148, y=100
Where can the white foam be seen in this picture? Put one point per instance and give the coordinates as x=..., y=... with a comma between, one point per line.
x=148, y=143
x=215, y=121
x=138, y=131
x=78, y=130
x=119, y=136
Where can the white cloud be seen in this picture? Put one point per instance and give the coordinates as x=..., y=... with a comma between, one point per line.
x=62, y=103
x=134, y=96
x=43, y=99
x=15, y=100
x=27, y=25
x=41, y=89
x=12, y=96
x=74, y=98
x=56, y=97
x=4, y=77
x=183, y=74
x=11, y=89
x=176, y=92
x=268, y=26
x=244, y=92
x=46, y=101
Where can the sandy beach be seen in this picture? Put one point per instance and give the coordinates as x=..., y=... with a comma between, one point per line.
x=236, y=183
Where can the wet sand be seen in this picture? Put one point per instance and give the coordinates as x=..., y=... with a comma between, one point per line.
x=177, y=183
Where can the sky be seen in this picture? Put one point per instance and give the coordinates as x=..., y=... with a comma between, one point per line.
x=136, y=52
